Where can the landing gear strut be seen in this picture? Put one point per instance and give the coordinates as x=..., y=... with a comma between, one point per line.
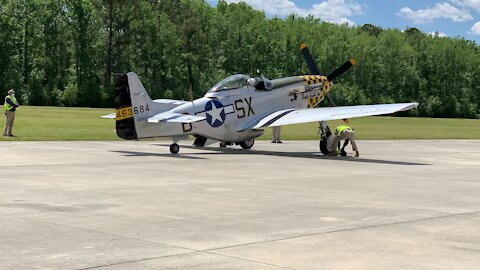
x=199, y=141
x=174, y=148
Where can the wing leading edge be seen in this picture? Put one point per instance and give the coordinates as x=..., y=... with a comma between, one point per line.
x=298, y=116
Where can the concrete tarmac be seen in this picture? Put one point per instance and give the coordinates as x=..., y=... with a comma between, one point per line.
x=132, y=205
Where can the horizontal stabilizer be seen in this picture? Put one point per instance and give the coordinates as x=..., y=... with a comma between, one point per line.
x=171, y=117
x=109, y=116
x=172, y=102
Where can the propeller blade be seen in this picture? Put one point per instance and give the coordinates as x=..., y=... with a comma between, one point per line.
x=309, y=59
x=330, y=99
x=190, y=92
x=314, y=71
x=339, y=71
x=333, y=104
x=342, y=69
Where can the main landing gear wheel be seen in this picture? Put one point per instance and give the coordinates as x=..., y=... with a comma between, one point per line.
x=174, y=148
x=247, y=144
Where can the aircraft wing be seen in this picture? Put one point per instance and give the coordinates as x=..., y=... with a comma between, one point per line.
x=298, y=116
x=171, y=117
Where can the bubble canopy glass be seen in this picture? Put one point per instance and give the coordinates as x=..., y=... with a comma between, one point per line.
x=232, y=82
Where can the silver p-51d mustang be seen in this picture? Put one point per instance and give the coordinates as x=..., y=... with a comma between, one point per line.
x=234, y=111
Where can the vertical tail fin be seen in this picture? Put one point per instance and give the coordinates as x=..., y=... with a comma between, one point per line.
x=132, y=102
x=135, y=107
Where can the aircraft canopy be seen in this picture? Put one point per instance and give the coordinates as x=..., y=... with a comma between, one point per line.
x=230, y=83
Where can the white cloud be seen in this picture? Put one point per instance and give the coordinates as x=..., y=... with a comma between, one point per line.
x=274, y=7
x=438, y=34
x=475, y=4
x=335, y=11
x=475, y=30
x=440, y=10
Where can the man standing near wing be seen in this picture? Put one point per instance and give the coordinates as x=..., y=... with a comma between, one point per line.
x=343, y=133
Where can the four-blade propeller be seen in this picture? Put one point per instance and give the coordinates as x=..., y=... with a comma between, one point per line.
x=332, y=76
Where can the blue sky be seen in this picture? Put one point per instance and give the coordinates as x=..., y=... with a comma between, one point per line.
x=448, y=17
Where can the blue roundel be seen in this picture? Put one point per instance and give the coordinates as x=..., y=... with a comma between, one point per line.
x=215, y=113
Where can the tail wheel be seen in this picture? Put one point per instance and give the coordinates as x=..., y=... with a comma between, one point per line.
x=174, y=148
x=247, y=144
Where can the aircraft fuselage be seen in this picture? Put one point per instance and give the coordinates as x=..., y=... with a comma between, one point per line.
x=227, y=111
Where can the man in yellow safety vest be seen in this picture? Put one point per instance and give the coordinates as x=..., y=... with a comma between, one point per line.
x=10, y=107
x=347, y=134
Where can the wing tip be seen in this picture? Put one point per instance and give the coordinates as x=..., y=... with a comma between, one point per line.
x=108, y=116
x=412, y=105
x=153, y=120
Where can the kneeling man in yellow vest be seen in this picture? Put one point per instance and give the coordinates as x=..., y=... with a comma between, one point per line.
x=343, y=133
x=10, y=107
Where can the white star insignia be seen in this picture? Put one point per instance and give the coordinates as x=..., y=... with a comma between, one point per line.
x=215, y=113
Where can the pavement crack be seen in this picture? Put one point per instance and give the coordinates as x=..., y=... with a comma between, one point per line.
x=267, y=190
x=342, y=230
x=100, y=232
x=138, y=260
x=248, y=260
x=191, y=250
x=181, y=255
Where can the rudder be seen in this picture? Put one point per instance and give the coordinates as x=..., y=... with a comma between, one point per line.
x=125, y=122
x=131, y=99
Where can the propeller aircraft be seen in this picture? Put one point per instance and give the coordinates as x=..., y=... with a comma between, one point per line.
x=237, y=109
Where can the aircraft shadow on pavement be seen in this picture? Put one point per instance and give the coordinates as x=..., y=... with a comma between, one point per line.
x=147, y=154
x=311, y=155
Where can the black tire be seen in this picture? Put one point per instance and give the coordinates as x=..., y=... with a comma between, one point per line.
x=248, y=144
x=323, y=146
x=174, y=148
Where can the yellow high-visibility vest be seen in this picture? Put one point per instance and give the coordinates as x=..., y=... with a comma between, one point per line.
x=7, y=106
x=340, y=129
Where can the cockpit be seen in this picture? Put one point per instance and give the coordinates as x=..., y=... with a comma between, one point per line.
x=230, y=83
x=241, y=81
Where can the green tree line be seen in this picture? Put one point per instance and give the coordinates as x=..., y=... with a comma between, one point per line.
x=68, y=52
